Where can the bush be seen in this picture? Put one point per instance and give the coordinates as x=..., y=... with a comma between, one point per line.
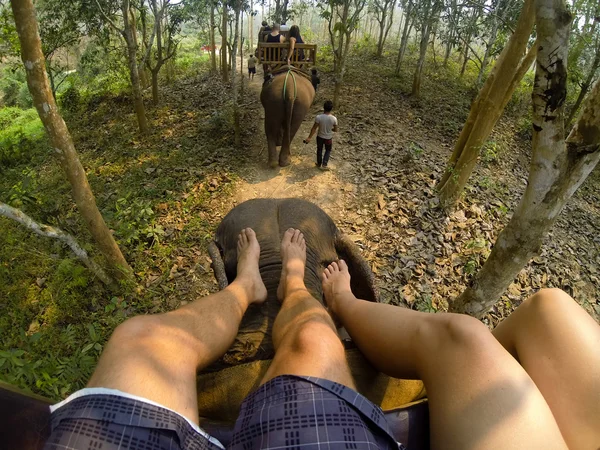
x=19, y=131
x=13, y=84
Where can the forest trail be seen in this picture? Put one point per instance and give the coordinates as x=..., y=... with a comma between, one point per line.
x=301, y=179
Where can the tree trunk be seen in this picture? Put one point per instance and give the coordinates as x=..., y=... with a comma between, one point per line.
x=465, y=58
x=488, y=106
x=558, y=167
x=488, y=48
x=138, y=99
x=224, y=60
x=408, y=24
x=251, y=26
x=62, y=143
x=234, y=80
x=213, y=44
x=416, y=88
x=585, y=86
x=155, y=87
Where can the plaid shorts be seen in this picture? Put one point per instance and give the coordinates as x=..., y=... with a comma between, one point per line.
x=287, y=412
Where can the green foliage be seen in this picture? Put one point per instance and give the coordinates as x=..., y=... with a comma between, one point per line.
x=13, y=85
x=425, y=304
x=136, y=222
x=19, y=131
x=489, y=152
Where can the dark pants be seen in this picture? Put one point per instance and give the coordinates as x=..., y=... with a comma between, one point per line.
x=323, y=160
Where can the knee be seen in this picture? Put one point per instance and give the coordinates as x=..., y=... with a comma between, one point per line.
x=316, y=337
x=457, y=331
x=550, y=299
x=139, y=331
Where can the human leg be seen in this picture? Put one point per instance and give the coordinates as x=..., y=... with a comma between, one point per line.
x=304, y=336
x=557, y=344
x=328, y=144
x=157, y=356
x=320, y=143
x=479, y=396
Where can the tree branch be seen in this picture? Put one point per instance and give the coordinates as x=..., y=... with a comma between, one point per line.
x=108, y=19
x=55, y=233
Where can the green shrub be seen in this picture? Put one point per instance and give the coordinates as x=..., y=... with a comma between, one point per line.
x=19, y=131
x=136, y=222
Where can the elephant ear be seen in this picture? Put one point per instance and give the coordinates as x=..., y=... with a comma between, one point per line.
x=217, y=265
x=362, y=280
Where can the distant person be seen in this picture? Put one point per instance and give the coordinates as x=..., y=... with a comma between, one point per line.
x=264, y=30
x=327, y=124
x=284, y=28
x=314, y=78
x=274, y=37
x=294, y=39
x=252, y=66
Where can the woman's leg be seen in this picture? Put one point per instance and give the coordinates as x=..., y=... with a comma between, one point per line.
x=157, y=356
x=558, y=345
x=479, y=396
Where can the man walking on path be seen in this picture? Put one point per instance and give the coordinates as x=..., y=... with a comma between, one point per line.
x=327, y=124
x=251, y=66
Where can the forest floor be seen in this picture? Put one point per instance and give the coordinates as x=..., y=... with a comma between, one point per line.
x=164, y=195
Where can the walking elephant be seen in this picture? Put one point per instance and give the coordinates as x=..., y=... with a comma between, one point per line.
x=286, y=99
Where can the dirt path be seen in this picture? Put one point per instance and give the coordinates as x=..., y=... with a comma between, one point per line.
x=301, y=179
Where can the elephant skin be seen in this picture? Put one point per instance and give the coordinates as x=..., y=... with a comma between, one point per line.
x=284, y=112
x=270, y=218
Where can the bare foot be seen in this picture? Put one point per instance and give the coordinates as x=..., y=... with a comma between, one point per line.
x=248, y=275
x=336, y=284
x=293, y=260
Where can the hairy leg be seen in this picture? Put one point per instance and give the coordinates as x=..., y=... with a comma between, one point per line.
x=157, y=356
x=479, y=396
x=306, y=342
x=558, y=344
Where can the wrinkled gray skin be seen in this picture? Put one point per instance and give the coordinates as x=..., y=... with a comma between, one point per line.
x=284, y=114
x=270, y=218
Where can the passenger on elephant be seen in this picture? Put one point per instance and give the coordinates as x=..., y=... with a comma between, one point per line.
x=271, y=54
x=533, y=383
x=295, y=38
x=326, y=124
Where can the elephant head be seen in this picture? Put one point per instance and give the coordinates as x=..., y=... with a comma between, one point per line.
x=269, y=218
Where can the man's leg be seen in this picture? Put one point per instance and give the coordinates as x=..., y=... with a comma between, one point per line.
x=157, y=356
x=327, y=152
x=306, y=342
x=558, y=344
x=319, y=151
x=479, y=395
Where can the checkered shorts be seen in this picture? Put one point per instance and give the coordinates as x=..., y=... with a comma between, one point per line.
x=288, y=412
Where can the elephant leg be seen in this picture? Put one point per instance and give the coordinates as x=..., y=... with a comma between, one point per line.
x=272, y=132
x=298, y=114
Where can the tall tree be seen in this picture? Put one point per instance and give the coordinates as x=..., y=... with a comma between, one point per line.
x=429, y=14
x=512, y=64
x=342, y=18
x=167, y=19
x=409, y=20
x=213, y=42
x=62, y=143
x=128, y=34
x=224, y=60
x=384, y=14
x=558, y=166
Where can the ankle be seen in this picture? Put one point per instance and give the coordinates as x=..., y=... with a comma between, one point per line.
x=342, y=302
x=242, y=291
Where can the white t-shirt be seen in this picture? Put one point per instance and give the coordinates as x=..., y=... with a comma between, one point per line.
x=326, y=123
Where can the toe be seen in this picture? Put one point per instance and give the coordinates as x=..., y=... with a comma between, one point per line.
x=334, y=264
x=343, y=265
x=296, y=236
x=287, y=236
x=250, y=234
